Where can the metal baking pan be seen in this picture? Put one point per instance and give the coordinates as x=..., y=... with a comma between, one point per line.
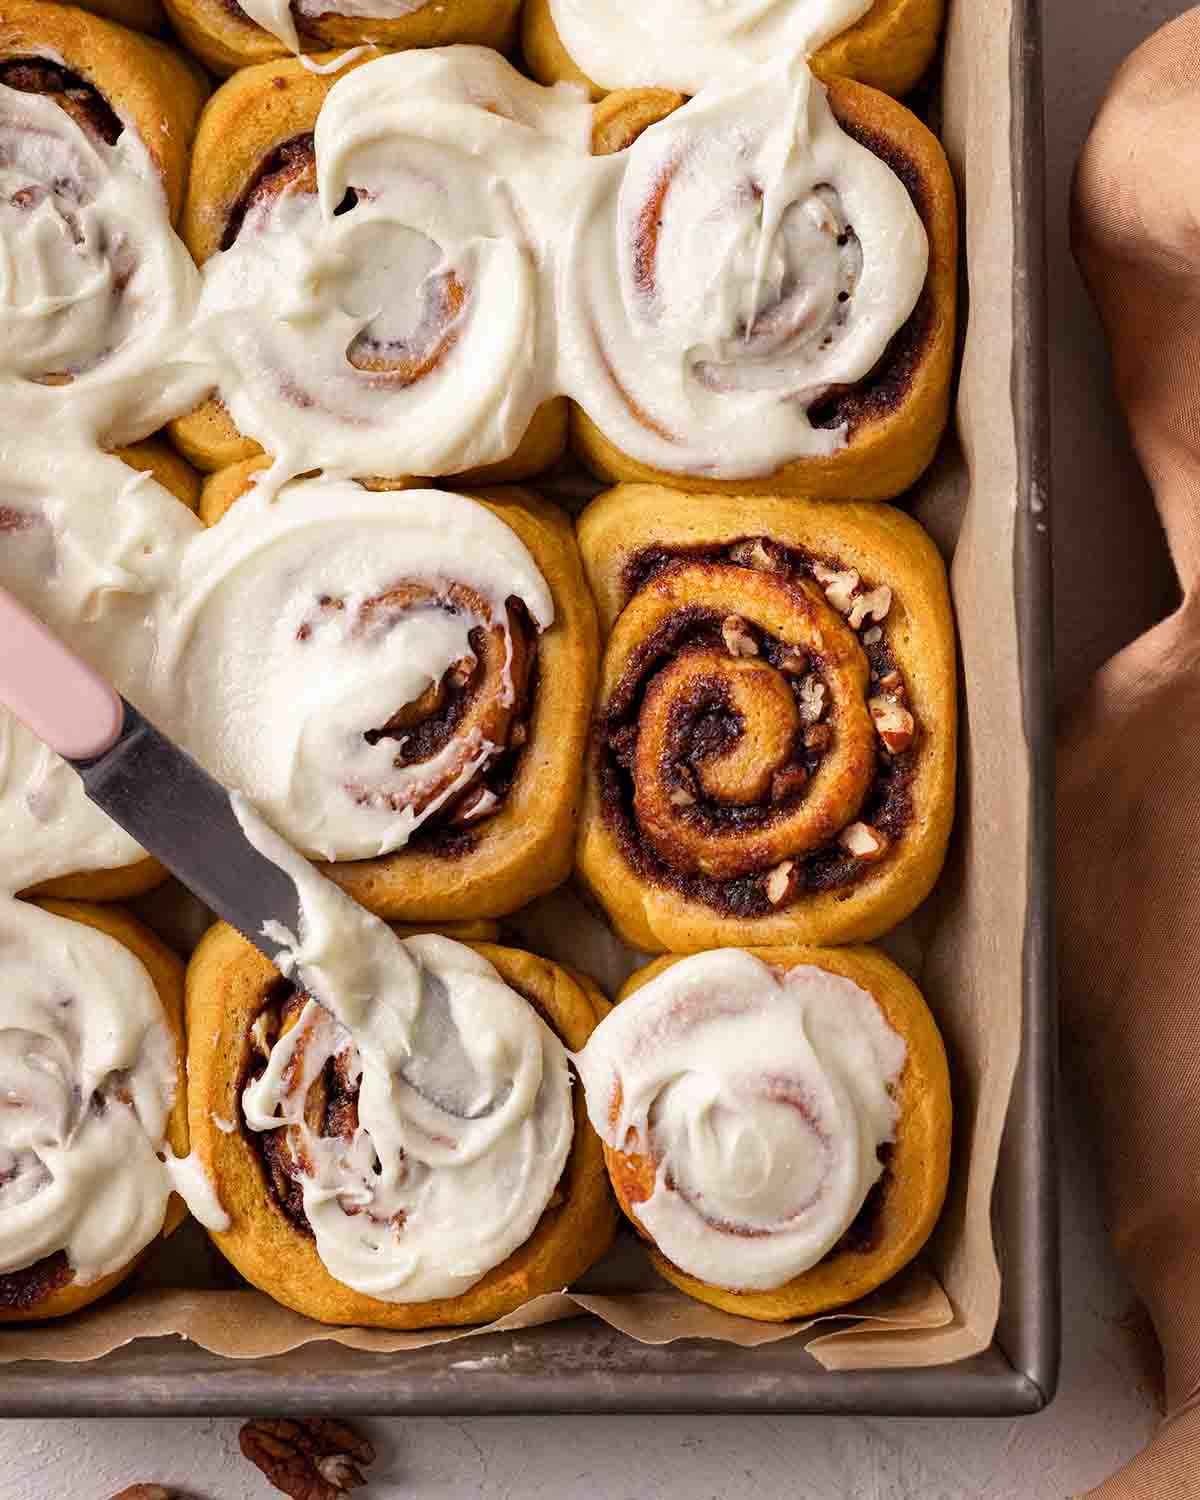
x=583, y=1366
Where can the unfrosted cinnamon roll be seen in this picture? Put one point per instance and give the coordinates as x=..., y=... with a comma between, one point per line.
x=780, y=317
x=441, y=1175
x=422, y=667
x=95, y=128
x=774, y=741
x=688, y=44
x=233, y=34
x=776, y=1123
x=91, y=1074
x=413, y=350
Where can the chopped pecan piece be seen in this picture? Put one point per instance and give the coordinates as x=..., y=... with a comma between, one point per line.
x=872, y=636
x=863, y=841
x=894, y=724
x=781, y=882
x=872, y=606
x=313, y=1459
x=839, y=587
x=759, y=554
x=813, y=699
x=787, y=781
x=794, y=662
x=739, y=641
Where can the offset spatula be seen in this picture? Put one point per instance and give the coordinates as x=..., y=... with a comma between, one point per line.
x=141, y=779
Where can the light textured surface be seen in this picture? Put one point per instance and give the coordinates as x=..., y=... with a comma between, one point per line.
x=1106, y=1407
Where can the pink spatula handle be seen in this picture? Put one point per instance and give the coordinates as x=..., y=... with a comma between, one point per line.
x=47, y=686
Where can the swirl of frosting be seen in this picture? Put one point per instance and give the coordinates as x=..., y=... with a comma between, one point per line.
x=764, y=260
x=758, y=1099
x=96, y=291
x=386, y=312
x=690, y=44
x=734, y=722
x=88, y=1073
x=455, y=1117
x=354, y=661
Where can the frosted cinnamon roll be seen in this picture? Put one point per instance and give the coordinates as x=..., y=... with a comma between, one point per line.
x=773, y=746
x=95, y=126
x=233, y=34
x=89, y=541
x=691, y=44
x=400, y=680
x=91, y=1073
x=776, y=1124
x=412, y=1162
x=780, y=316
x=372, y=295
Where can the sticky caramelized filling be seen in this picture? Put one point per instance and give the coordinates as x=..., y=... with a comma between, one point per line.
x=72, y=93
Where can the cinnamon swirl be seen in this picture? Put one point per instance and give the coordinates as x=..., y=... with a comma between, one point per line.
x=774, y=742
x=433, y=1172
x=91, y=1072
x=292, y=195
x=233, y=34
x=688, y=44
x=776, y=1123
x=781, y=315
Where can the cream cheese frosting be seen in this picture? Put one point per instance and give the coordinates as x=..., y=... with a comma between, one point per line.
x=761, y=1096
x=464, y=1103
x=690, y=44
x=466, y=259
x=412, y=331
x=745, y=258
x=88, y=1073
x=295, y=630
x=96, y=290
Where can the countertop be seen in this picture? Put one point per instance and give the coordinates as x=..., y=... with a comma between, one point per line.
x=1106, y=1406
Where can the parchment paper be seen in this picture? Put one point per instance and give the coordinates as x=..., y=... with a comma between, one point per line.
x=964, y=947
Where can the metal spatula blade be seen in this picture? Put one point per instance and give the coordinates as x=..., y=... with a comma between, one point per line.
x=142, y=779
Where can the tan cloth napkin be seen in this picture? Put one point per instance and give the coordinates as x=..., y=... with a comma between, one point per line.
x=1129, y=756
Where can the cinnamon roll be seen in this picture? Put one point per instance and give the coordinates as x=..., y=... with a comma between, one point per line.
x=773, y=748
x=434, y=1171
x=781, y=314
x=95, y=128
x=91, y=1073
x=689, y=44
x=776, y=1123
x=305, y=227
x=86, y=541
x=400, y=680
x=233, y=34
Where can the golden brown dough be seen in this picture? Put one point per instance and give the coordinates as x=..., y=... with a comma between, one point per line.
x=740, y=789
x=107, y=78
x=61, y=1294
x=254, y=141
x=910, y=1195
x=890, y=48
x=141, y=15
x=490, y=868
x=229, y=984
x=226, y=39
x=895, y=417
